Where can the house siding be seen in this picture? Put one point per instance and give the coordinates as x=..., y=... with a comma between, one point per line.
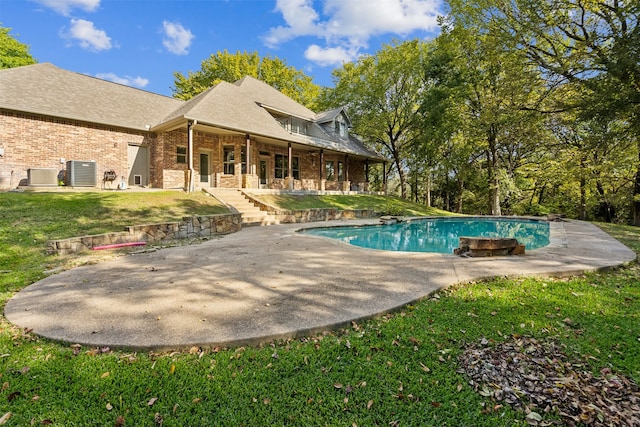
x=35, y=141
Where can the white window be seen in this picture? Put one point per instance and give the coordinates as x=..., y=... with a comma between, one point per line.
x=341, y=126
x=229, y=159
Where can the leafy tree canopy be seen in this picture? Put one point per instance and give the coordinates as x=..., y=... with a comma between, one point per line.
x=12, y=52
x=230, y=67
x=382, y=93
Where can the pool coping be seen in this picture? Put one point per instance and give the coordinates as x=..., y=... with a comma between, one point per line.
x=267, y=283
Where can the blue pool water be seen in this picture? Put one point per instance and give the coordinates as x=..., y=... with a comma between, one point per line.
x=437, y=234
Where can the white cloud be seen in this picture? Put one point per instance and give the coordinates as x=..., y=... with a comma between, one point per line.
x=329, y=55
x=177, y=39
x=347, y=25
x=301, y=20
x=64, y=7
x=126, y=80
x=89, y=36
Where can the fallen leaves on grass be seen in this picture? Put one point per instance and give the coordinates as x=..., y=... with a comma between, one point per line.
x=5, y=418
x=537, y=377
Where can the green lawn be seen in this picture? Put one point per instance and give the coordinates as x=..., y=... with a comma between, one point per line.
x=397, y=370
x=29, y=220
x=382, y=204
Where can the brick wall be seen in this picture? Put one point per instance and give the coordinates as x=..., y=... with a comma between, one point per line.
x=33, y=141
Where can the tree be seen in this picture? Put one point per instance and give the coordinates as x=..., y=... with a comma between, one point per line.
x=12, y=52
x=382, y=93
x=228, y=67
x=591, y=44
x=493, y=91
x=595, y=45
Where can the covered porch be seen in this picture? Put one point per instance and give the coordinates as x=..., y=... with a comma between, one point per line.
x=203, y=156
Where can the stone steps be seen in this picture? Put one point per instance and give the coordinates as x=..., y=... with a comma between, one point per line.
x=251, y=214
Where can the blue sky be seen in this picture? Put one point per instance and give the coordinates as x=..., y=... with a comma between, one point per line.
x=141, y=43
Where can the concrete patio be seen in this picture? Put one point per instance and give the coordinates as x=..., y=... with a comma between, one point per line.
x=264, y=283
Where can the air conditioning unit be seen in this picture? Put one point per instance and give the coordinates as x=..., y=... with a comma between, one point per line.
x=81, y=173
x=42, y=177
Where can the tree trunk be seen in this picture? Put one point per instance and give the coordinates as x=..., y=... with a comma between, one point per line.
x=583, y=199
x=447, y=192
x=605, y=210
x=635, y=197
x=493, y=181
x=428, y=192
x=460, y=191
x=403, y=189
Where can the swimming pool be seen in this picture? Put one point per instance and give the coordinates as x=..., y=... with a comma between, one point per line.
x=437, y=234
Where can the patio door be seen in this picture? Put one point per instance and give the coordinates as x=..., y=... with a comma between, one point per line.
x=205, y=173
x=264, y=172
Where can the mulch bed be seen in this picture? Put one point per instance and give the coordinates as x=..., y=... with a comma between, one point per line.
x=538, y=378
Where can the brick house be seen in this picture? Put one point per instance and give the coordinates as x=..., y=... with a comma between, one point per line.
x=241, y=135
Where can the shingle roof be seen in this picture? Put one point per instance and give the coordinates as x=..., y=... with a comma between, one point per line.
x=49, y=90
x=264, y=94
x=225, y=105
x=242, y=106
x=327, y=116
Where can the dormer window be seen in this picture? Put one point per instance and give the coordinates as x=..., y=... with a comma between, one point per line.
x=293, y=125
x=341, y=126
x=298, y=126
x=284, y=122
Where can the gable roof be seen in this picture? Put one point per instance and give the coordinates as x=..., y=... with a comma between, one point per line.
x=49, y=90
x=225, y=106
x=328, y=116
x=244, y=106
x=268, y=96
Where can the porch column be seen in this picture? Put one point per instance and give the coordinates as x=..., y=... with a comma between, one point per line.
x=190, y=174
x=248, y=155
x=366, y=171
x=290, y=167
x=247, y=176
x=347, y=182
x=321, y=182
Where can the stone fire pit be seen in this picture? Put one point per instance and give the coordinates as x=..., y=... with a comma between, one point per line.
x=488, y=246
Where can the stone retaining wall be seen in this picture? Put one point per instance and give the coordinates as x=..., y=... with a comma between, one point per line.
x=311, y=215
x=189, y=227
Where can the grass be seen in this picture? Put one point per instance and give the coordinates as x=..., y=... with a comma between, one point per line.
x=382, y=204
x=399, y=369
x=29, y=220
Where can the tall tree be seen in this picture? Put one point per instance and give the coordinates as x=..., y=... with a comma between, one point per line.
x=12, y=52
x=494, y=93
x=225, y=66
x=383, y=93
x=593, y=44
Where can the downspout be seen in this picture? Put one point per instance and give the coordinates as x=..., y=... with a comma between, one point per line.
x=190, y=125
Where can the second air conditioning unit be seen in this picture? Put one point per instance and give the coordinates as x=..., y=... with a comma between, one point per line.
x=81, y=173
